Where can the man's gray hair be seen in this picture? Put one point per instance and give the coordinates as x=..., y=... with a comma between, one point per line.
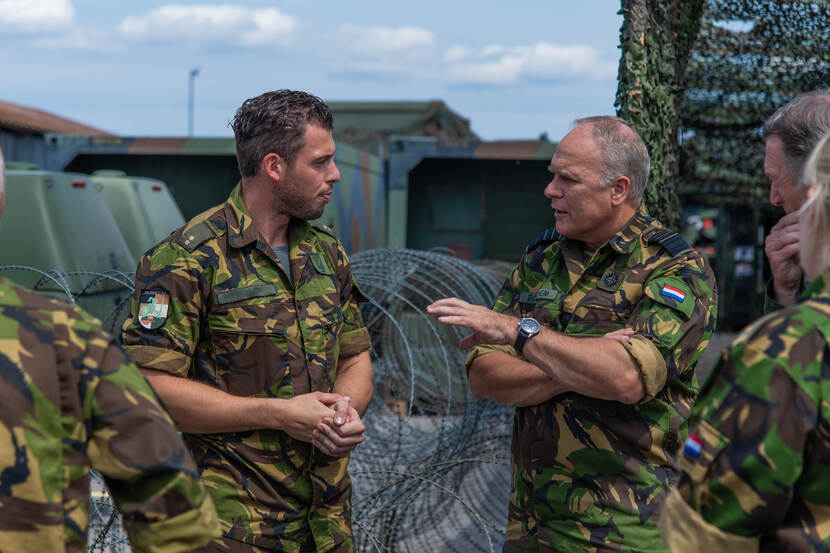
x=623, y=152
x=800, y=124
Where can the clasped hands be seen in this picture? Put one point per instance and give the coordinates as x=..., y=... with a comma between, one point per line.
x=328, y=421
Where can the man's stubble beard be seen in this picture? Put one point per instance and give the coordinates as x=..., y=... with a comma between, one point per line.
x=290, y=203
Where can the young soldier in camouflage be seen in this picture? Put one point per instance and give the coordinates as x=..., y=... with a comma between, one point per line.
x=756, y=466
x=70, y=401
x=597, y=418
x=246, y=321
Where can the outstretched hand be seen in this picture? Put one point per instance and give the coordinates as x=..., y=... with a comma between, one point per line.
x=488, y=326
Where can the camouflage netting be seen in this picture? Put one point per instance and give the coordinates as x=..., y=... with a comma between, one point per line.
x=707, y=74
x=655, y=39
x=750, y=58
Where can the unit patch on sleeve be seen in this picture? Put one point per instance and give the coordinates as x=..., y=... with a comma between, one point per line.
x=153, y=307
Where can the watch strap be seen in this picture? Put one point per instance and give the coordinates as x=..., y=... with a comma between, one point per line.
x=519, y=344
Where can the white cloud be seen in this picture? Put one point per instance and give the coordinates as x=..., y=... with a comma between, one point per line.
x=493, y=50
x=496, y=65
x=35, y=16
x=85, y=40
x=377, y=42
x=385, y=53
x=456, y=54
x=211, y=23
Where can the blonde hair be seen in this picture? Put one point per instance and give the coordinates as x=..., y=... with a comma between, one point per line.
x=817, y=177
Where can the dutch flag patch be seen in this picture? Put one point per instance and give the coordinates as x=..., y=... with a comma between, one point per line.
x=693, y=446
x=673, y=293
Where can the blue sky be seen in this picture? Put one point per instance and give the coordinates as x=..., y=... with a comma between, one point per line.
x=515, y=69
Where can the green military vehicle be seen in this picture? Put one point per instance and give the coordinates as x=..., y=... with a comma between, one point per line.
x=143, y=208
x=59, y=237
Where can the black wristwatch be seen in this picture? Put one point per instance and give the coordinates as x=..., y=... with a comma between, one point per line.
x=528, y=328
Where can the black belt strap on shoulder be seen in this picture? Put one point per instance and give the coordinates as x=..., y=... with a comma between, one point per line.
x=550, y=235
x=671, y=241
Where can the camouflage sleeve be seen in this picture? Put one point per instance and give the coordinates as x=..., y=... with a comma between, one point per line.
x=749, y=434
x=673, y=321
x=170, y=270
x=506, y=302
x=134, y=444
x=354, y=337
x=770, y=303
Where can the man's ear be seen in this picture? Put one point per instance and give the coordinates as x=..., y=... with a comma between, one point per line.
x=620, y=190
x=273, y=166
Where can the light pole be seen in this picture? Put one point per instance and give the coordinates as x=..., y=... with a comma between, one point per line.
x=194, y=72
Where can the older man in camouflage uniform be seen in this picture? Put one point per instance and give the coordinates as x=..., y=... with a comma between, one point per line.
x=246, y=321
x=597, y=418
x=69, y=401
x=790, y=135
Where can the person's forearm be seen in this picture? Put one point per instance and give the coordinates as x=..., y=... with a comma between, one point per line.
x=595, y=367
x=355, y=379
x=510, y=381
x=201, y=409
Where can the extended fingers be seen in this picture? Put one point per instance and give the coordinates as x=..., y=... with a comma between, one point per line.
x=622, y=334
x=449, y=307
x=448, y=302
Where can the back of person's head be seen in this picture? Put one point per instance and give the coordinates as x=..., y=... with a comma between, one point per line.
x=800, y=124
x=623, y=152
x=815, y=213
x=275, y=122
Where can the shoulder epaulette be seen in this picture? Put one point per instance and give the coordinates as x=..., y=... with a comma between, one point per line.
x=324, y=228
x=550, y=235
x=198, y=234
x=671, y=242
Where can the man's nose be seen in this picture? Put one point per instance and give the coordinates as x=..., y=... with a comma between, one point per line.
x=334, y=174
x=775, y=197
x=552, y=190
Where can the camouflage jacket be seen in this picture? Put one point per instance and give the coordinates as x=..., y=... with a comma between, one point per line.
x=237, y=321
x=756, y=466
x=70, y=401
x=588, y=474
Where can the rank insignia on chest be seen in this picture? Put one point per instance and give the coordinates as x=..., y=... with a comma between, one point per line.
x=611, y=280
x=673, y=293
x=153, y=307
x=693, y=446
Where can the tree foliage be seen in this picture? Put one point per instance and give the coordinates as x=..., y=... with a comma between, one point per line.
x=656, y=38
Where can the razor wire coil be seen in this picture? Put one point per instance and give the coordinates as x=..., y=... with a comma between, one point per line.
x=433, y=471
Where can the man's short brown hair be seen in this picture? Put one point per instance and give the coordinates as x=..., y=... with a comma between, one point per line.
x=275, y=122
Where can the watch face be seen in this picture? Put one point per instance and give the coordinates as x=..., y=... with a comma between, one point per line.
x=530, y=326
